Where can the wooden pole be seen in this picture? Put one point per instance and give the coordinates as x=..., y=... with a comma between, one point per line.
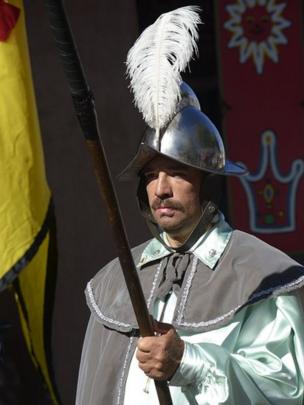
x=85, y=109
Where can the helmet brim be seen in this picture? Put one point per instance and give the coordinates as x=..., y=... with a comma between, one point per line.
x=234, y=169
x=143, y=156
x=146, y=153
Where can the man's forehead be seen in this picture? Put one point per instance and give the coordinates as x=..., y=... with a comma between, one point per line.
x=163, y=162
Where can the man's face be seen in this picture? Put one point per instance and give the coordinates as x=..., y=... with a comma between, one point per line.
x=173, y=191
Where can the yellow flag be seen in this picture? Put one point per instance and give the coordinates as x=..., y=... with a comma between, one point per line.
x=25, y=208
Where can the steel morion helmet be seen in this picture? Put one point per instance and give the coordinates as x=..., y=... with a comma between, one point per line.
x=189, y=138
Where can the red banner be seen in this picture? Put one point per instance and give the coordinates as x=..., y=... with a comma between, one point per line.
x=8, y=17
x=261, y=65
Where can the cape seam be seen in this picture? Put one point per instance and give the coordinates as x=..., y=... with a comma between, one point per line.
x=154, y=284
x=97, y=311
x=94, y=306
x=186, y=290
x=124, y=367
x=275, y=291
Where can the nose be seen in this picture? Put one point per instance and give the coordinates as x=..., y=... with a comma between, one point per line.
x=163, y=188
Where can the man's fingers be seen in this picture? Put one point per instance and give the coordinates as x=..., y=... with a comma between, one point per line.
x=143, y=357
x=145, y=344
x=153, y=369
x=159, y=356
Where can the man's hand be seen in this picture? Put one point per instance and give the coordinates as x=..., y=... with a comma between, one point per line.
x=160, y=356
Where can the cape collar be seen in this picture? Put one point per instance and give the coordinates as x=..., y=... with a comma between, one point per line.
x=208, y=248
x=248, y=271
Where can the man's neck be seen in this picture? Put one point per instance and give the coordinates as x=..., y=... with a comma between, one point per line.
x=175, y=242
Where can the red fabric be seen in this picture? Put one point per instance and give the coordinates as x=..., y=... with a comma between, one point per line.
x=8, y=17
x=264, y=92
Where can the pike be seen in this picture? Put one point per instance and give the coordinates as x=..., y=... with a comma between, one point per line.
x=83, y=100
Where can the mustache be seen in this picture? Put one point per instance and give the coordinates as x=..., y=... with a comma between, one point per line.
x=166, y=203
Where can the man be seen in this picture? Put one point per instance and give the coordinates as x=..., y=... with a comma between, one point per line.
x=228, y=317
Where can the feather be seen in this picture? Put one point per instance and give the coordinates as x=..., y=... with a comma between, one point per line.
x=155, y=62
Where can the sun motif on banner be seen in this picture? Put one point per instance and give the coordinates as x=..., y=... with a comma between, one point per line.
x=257, y=29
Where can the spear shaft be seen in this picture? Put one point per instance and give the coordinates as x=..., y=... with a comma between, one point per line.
x=85, y=110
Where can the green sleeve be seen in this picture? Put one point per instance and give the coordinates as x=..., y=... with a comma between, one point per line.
x=260, y=360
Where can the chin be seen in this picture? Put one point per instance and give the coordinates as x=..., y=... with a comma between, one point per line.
x=171, y=228
x=175, y=229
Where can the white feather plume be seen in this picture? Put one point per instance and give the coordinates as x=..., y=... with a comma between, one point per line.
x=155, y=62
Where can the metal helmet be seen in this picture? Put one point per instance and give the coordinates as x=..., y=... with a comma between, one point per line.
x=189, y=138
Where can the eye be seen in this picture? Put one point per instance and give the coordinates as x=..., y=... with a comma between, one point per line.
x=178, y=173
x=149, y=176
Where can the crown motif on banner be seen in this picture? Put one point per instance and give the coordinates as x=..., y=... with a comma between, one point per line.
x=271, y=196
